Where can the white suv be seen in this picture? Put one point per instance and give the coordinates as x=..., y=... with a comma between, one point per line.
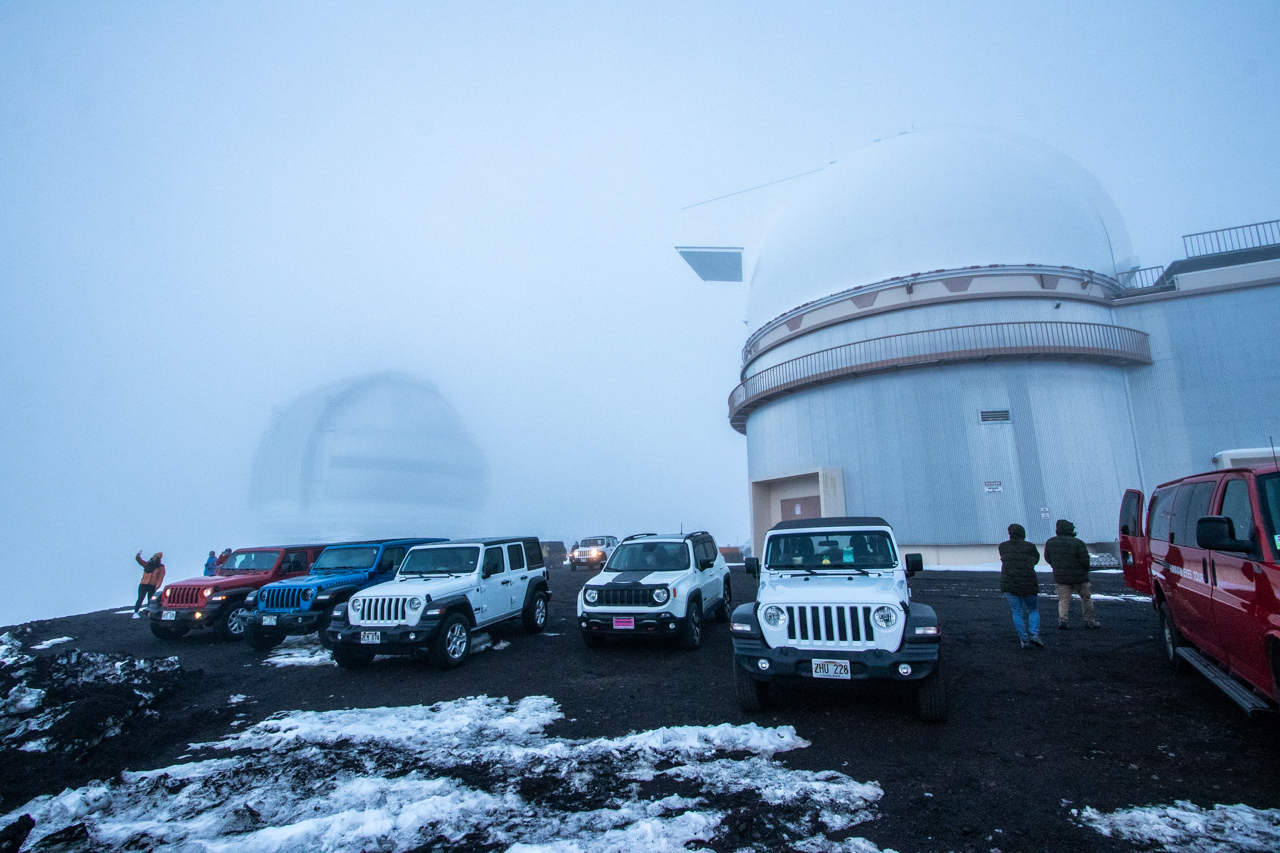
x=440, y=594
x=656, y=586
x=592, y=552
x=833, y=603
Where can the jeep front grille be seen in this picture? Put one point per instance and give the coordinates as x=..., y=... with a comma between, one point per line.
x=287, y=598
x=377, y=611
x=183, y=596
x=830, y=624
x=627, y=597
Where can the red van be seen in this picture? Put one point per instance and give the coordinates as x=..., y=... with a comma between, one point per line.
x=218, y=602
x=1207, y=556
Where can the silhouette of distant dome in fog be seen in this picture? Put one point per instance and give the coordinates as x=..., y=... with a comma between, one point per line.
x=380, y=455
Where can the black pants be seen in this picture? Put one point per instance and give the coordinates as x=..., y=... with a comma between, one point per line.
x=145, y=590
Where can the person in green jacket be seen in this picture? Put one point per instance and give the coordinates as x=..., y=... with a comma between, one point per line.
x=1070, y=561
x=1018, y=559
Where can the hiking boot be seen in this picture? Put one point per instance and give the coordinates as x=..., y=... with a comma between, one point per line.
x=1093, y=624
x=1062, y=626
x=1025, y=644
x=1035, y=641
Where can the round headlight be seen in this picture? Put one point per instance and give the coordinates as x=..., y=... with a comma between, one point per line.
x=308, y=594
x=660, y=596
x=208, y=591
x=415, y=604
x=356, y=604
x=885, y=617
x=591, y=596
x=774, y=616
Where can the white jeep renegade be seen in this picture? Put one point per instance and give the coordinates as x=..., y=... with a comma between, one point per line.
x=656, y=586
x=833, y=603
x=441, y=593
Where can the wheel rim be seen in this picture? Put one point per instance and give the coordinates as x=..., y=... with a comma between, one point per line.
x=696, y=618
x=540, y=611
x=1168, y=638
x=236, y=621
x=728, y=593
x=455, y=641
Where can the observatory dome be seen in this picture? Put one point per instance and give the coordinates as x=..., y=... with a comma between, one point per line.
x=380, y=455
x=931, y=200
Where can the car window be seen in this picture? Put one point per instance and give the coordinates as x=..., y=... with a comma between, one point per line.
x=534, y=552
x=426, y=561
x=871, y=549
x=294, y=561
x=649, y=557
x=345, y=558
x=1235, y=506
x=252, y=561
x=391, y=558
x=515, y=557
x=1161, y=515
x=492, y=561
x=1131, y=514
x=1191, y=505
x=1269, y=491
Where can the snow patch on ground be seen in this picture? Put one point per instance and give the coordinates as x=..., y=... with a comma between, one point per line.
x=1187, y=828
x=478, y=773
x=300, y=651
x=48, y=644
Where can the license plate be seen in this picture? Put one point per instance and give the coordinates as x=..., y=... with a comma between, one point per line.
x=624, y=623
x=268, y=620
x=169, y=615
x=376, y=637
x=831, y=669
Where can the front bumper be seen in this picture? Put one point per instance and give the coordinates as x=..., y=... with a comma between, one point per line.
x=786, y=663
x=575, y=562
x=643, y=623
x=399, y=640
x=303, y=622
x=188, y=618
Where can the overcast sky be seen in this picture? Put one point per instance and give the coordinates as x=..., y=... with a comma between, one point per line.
x=207, y=210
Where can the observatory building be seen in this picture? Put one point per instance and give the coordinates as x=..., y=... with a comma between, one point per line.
x=378, y=456
x=949, y=330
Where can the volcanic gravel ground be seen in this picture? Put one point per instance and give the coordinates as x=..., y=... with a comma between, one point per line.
x=1096, y=720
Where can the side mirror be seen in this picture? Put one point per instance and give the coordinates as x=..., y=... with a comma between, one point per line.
x=1124, y=530
x=752, y=565
x=1217, y=533
x=915, y=563
x=706, y=564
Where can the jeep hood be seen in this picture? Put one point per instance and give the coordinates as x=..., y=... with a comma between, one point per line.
x=224, y=583
x=834, y=588
x=636, y=578
x=436, y=587
x=327, y=580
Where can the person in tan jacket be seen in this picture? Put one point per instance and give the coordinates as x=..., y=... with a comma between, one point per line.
x=152, y=578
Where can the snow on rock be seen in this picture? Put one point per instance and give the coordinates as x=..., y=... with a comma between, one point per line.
x=1187, y=828
x=70, y=701
x=300, y=651
x=477, y=773
x=56, y=641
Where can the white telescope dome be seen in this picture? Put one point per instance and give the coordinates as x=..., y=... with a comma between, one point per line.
x=930, y=200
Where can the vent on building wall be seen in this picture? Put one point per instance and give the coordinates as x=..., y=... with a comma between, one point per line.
x=995, y=416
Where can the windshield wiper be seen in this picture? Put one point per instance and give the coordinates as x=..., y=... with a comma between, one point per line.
x=837, y=570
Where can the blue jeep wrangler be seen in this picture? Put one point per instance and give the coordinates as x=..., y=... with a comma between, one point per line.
x=304, y=604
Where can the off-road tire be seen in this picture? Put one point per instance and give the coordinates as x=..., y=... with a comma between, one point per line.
x=752, y=695
x=260, y=640
x=534, y=616
x=230, y=626
x=352, y=658
x=322, y=629
x=1171, y=640
x=931, y=697
x=690, y=637
x=452, y=644
x=163, y=633
x=593, y=641
x=724, y=608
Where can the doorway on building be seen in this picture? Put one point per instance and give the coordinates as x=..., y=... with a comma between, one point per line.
x=805, y=507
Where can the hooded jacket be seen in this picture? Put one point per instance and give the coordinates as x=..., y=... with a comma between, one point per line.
x=1018, y=559
x=152, y=571
x=1068, y=555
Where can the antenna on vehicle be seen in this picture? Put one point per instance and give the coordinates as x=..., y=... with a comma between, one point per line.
x=1273, y=451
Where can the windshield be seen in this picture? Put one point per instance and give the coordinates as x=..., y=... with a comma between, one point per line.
x=345, y=558
x=1269, y=492
x=251, y=561
x=594, y=543
x=435, y=561
x=870, y=549
x=649, y=557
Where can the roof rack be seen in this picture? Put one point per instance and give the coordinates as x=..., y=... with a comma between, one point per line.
x=637, y=536
x=696, y=533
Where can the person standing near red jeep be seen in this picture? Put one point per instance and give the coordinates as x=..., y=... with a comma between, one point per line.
x=152, y=578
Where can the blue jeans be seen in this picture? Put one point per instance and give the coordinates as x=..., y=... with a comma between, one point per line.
x=1026, y=609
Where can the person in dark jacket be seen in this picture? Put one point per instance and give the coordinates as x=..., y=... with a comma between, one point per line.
x=211, y=565
x=1018, y=559
x=152, y=578
x=1070, y=561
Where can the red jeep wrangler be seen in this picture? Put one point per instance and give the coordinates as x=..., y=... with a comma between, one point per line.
x=218, y=602
x=1207, y=556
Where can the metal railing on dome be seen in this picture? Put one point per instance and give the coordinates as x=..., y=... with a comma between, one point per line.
x=1145, y=277
x=1085, y=341
x=1232, y=239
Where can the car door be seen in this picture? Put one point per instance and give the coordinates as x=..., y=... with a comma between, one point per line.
x=517, y=577
x=491, y=594
x=704, y=550
x=295, y=563
x=388, y=561
x=1135, y=560
x=1191, y=596
x=1235, y=576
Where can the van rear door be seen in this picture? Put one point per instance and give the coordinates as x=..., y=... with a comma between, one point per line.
x=1135, y=559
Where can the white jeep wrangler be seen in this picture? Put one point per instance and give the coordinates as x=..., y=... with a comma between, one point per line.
x=833, y=603
x=440, y=594
x=656, y=586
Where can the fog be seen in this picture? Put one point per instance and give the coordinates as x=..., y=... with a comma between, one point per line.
x=210, y=211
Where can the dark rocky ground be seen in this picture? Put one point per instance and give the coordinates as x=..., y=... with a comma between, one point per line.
x=1096, y=719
